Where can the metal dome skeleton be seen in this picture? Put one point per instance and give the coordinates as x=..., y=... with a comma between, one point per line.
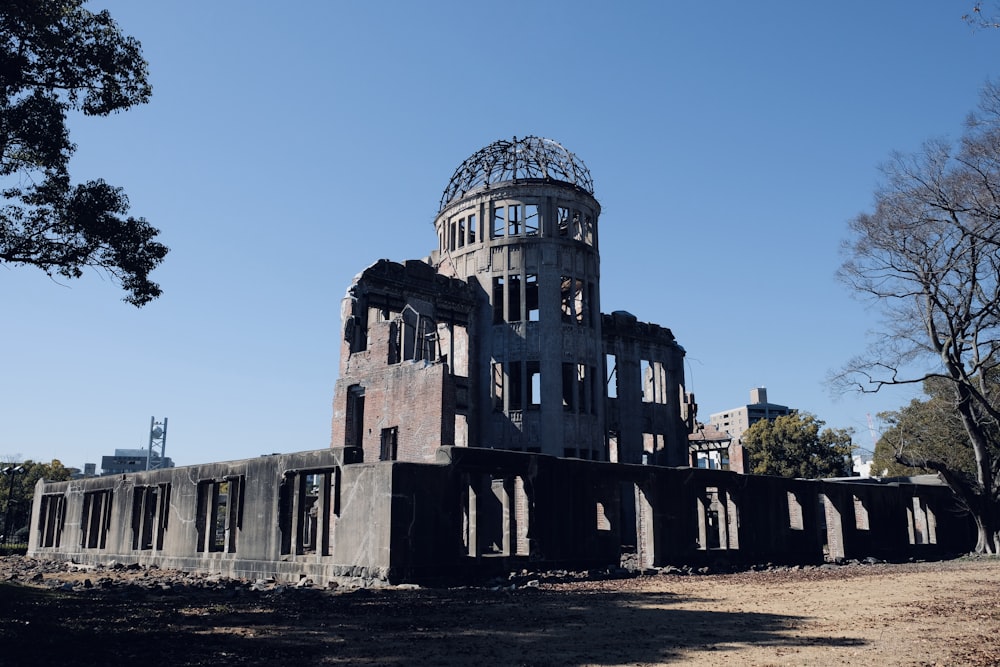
x=519, y=159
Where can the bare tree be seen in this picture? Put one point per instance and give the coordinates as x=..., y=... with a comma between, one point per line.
x=982, y=18
x=929, y=256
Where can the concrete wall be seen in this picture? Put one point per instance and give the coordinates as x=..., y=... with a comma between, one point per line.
x=476, y=512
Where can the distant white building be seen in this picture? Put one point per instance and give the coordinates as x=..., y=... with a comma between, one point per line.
x=862, y=466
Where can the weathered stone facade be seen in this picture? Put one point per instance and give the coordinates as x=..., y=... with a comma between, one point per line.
x=476, y=512
x=488, y=416
x=520, y=356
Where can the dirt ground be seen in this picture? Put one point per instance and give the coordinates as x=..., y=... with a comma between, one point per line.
x=943, y=613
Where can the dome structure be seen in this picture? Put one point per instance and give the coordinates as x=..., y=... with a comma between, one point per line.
x=528, y=158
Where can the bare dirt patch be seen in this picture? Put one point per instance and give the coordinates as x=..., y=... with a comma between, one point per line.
x=944, y=613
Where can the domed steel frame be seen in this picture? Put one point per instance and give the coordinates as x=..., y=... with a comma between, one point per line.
x=520, y=159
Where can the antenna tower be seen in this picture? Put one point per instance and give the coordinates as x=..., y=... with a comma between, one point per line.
x=157, y=444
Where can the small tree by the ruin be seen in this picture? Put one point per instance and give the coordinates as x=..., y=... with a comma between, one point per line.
x=796, y=445
x=928, y=256
x=19, y=489
x=55, y=58
x=925, y=429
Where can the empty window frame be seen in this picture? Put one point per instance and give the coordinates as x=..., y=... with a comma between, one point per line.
x=95, y=519
x=534, y=385
x=308, y=504
x=563, y=216
x=646, y=376
x=531, y=223
x=922, y=522
x=514, y=299
x=51, y=519
x=220, y=513
x=583, y=395
x=611, y=363
x=389, y=444
x=499, y=220
x=587, y=229
x=395, y=346
x=515, y=389
x=472, y=229
x=498, y=299
x=572, y=294
x=354, y=423
x=515, y=218
x=149, y=515
x=575, y=388
x=531, y=297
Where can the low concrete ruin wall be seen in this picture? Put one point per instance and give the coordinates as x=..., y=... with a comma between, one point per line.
x=328, y=516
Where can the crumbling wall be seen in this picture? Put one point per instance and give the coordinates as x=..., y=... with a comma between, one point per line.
x=403, y=391
x=648, y=412
x=477, y=512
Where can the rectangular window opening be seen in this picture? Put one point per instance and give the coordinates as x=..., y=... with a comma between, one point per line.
x=389, y=443
x=514, y=386
x=534, y=385
x=51, y=519
x=96, y=519
x=354, y=427
x=531, y=297
x=611, y=363
x=514, y=299
x=530, y=219
x=514, y=220
x=149, y=516
x=220, y=513
x=498, y=300
x=562, y=221
x=308, y=504
x=572, y=300
x=472, y=229
x=499, y=221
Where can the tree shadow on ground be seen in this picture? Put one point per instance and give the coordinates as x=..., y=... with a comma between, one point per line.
x=388, y=627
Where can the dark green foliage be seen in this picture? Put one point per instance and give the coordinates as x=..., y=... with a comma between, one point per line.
x=56, y=57
x=793, y=446
x=929, y=429
x=19, y=489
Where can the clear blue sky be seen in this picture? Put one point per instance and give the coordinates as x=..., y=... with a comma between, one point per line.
x=289, y=145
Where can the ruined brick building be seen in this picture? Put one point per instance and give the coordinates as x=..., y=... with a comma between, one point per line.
x=498, y=340
x=488, y=416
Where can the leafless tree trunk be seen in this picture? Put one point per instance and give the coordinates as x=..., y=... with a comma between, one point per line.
x=929, y=256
